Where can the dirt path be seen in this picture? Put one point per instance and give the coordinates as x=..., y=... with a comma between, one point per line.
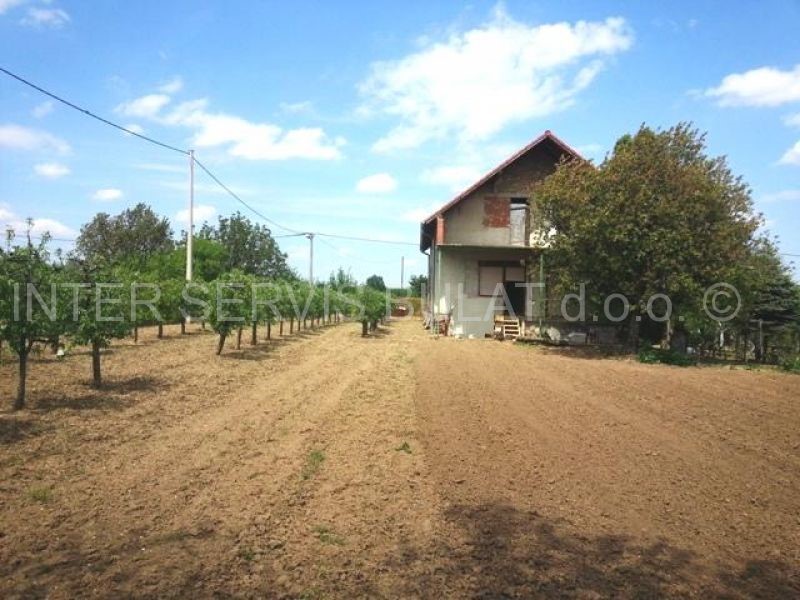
x=328, y=465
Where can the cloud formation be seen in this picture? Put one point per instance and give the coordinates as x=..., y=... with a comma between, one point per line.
x=51, y=170
x=10, y=220
x=202, y=213
x=765, y=86
x=107, y=195
x=17, y=137
x=380, y=183
x=473, y=84
x=37, y=16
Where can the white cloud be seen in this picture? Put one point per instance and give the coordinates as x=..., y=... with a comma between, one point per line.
x=792, y=120
x=782, y=196
x=765, y=86
x=474, y=83
x=107, y=195
x=17, y=137
x=6, y=5
x=46, y=17
x=380, y=183
x=51, y=170
x=253, y=141
x=146, y=106
x=294, y=108
x=455, y=177
x=173, y=86
x=791, y=156
x=42, y=110
x=9, y=219
x=134, y=128
x=202, y=212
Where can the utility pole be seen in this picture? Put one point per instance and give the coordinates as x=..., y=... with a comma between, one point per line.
x=310, y=237
x=402, y=270
x=190, y=233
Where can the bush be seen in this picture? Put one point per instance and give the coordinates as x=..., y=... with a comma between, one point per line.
x=791, y=364
x=666, y=357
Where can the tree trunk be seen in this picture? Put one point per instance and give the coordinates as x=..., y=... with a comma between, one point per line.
x=135, y=334
x=364, y=328
x=633, y=330
x=239, y=338
x=280, y=330
x=291, y=326
x=253, y=334
x=183, y=325
x=19, y=401
x=96, y=378
x=160, y=330
x=269, y=330
x=221, y=343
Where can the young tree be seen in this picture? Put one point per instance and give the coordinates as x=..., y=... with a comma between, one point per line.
x=230, y=306
x=416, y=283
x=29, y=305
x=102, y=311
x=657, y=216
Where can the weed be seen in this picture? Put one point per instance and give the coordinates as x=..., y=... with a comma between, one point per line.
x=40, y=494
x=313, y=463
x=792, y=364
x=404, y=447
x=246, y=554
x=326, y=535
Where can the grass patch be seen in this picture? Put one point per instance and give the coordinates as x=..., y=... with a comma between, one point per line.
x=666, y=357
x=326, y=535
x=42, y=495
x=404, y=447
x=246, y=554
x=791, y=365
x=313, y=463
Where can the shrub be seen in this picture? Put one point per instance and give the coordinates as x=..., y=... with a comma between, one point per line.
x=791, y=364
x=667, y=357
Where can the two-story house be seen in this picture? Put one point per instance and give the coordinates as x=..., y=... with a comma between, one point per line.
x=485, y=246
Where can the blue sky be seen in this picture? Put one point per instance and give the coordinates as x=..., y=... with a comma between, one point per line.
x=360, y=118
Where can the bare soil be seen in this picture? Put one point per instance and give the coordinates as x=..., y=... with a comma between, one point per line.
x=330, y=465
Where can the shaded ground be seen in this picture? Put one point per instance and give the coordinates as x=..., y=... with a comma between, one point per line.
x=327, y=465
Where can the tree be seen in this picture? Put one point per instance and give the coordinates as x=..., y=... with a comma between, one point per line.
x=131, y=237
x=24, y=318
x=343, y=280
x=369, y=307
x=656, y=216
x=376, y=283
x=209, y=261
x=230, y=306
x=250, y=247
x=416, y=283
x=102, y=310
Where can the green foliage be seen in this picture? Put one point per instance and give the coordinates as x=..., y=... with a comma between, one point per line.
x=657, y=216
x=313, y=463
x=131, y=237
x=667, y=357
x=416, y=283
x=791, y=364
x=250, y=247
x=376, y=283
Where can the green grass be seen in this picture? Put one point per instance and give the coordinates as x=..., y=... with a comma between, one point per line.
x=39, y=494
x=313, y=463
x=667, y=357
x=246, y=554
x=326, y=535
x=404, y=447
x=791, y=365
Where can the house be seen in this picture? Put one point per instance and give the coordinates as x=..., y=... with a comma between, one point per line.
x=486, y=247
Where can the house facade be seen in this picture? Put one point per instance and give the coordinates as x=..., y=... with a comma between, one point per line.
x=486, y=247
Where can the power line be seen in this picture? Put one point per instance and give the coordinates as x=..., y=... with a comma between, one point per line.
x=364, y=239
x=91, y=114
x=236, y=196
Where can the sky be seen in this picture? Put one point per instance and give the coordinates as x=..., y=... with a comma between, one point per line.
x=360, y=119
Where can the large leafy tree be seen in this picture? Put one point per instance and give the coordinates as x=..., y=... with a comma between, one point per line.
x=250, y=247
x=376, y=283
x=132, y=236
x=656, y=216
x=416, y=283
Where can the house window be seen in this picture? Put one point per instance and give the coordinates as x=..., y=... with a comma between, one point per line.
x=491, y=274
x=518, y=218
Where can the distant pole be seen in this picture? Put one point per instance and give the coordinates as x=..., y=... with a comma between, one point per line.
x=310, y=237
x=402, y=270
x=190, y=233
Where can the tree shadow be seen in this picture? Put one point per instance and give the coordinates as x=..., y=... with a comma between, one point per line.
x=15, y=429
x=510, y=553
x=113, y=394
